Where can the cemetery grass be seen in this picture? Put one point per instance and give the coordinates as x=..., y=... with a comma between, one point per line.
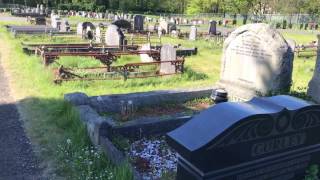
x=55, y=126
x=60, y=138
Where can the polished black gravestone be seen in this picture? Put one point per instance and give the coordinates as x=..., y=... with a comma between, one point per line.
x=265, y=138
x=213, y=27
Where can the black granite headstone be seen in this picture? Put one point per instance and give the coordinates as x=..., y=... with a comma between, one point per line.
x=213, y=27
x=138, y=23
x=265, y=138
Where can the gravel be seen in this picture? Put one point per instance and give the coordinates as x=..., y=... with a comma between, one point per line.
x=153, y=158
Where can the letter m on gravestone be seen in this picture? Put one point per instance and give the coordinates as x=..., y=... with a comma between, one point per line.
x=265, y=138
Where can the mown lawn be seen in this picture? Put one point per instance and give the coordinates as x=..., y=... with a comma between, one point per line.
x=54, y=126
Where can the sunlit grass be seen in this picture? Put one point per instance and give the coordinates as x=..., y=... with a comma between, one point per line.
x=50, y=121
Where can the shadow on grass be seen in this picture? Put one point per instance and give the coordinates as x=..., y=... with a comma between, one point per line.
x=55, y=125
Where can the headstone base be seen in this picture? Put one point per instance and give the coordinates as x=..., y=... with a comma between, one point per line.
x=237, y=92
x=286, y=166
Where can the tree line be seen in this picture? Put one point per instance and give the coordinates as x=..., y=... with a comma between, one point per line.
x=183, y=6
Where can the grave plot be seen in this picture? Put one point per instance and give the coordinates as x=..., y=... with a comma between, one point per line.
x=40, y=29
x=152, y=158
x=153, y=67
x=141, y=39
x=162, y=111
x=127, y=71
x=104, y=55
x=264, y=138
x=37, y=48
x=139, y=138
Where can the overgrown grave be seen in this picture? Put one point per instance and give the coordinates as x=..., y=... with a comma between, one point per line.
x=107, y=54
x=131, y=125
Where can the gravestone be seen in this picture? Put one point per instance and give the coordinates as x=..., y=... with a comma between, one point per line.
x=266, y=138
x=245, y=18
x=314, y=84
x=80, y=29
x=98, y=35
x=193, y=33
x=172, y=27
x=65, y=26
x=116, y=17
x=168, y=53
x=41, y=9
x=292, y=43
x=213, y=28
x=37, y=9
x=159, y=31
x=138, y=23
x=164, y=27
x=256, y=61
x=284, y=24
x=89, y=33
x=301, y=26
x=146, y=57
x=114, y=36
x=55, y=21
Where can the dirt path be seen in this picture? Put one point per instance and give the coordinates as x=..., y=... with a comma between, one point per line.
x=17, y=160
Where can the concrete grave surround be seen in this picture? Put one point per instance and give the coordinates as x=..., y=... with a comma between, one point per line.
x=114, y=36
x=314, y=84
x=256, y=60
x=168, y=53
